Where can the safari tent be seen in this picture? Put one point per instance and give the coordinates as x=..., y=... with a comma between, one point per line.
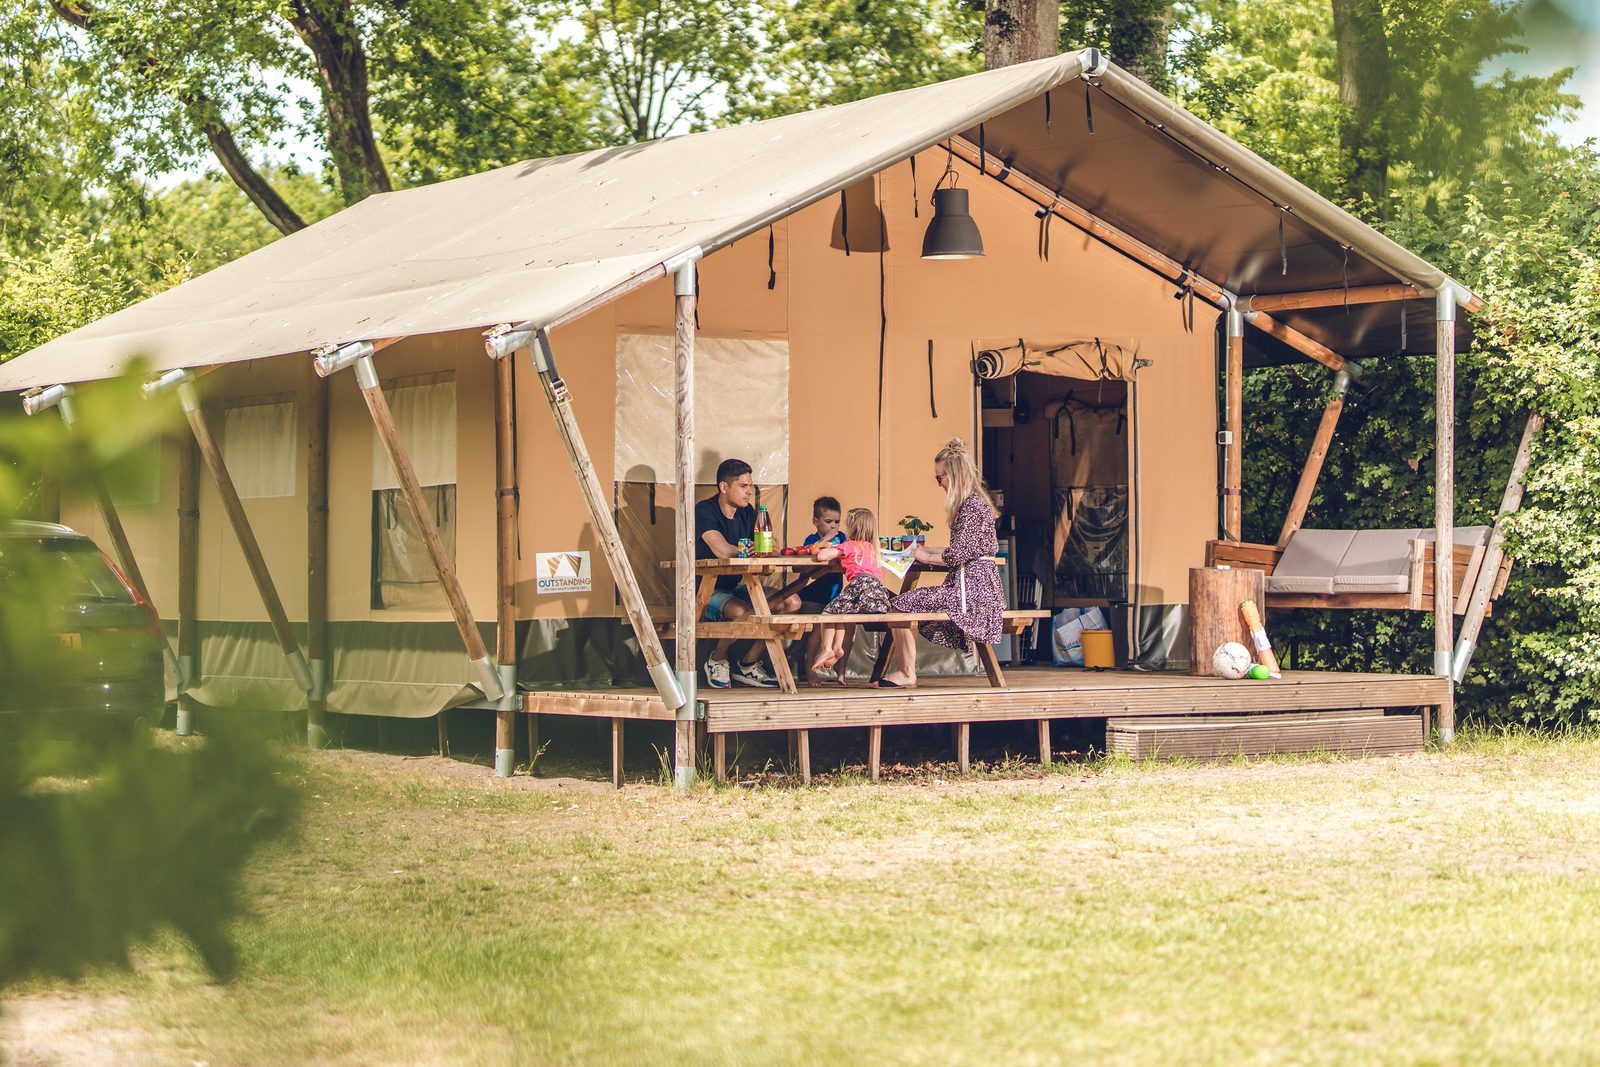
x=443, y=441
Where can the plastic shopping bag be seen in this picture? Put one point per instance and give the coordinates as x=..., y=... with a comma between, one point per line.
x=1066, y=641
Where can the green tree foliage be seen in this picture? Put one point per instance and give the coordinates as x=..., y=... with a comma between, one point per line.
x=109, y=836
x=1477, y=184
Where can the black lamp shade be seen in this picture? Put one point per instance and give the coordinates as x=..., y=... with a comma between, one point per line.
x=952, y=234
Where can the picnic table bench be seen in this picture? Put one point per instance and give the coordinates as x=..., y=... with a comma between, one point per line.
x=772, y=629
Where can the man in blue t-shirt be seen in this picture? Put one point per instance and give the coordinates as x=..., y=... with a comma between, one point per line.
x=720, y=523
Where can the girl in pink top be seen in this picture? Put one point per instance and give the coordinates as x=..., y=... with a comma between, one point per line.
x=864, y=592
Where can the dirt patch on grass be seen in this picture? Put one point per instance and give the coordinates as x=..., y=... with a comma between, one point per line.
x=83, y=1031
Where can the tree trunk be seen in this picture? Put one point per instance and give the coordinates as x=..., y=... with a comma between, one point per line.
x=247, y=178
x=329, y=29
x=1139, y=42
x=1364, y=89
x=1017, y=31
x=207, y=118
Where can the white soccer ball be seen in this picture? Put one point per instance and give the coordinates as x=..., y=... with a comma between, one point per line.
x=1232, y=660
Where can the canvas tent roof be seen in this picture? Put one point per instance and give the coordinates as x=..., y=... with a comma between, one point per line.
x=536, y=240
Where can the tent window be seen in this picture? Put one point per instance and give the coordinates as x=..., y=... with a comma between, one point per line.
x=403, y=578
x=741, y=407
x=258, y=445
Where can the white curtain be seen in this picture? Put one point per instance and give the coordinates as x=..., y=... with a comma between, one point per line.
x=741, y=407
x=425, y=414
x=258, y=444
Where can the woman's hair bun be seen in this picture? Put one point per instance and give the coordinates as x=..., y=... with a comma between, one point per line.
x=956, y=446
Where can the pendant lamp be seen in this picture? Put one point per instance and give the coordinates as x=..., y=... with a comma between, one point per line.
x=951, y=234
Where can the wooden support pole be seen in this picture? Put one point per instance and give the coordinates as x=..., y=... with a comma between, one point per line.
x=1233, y=428
x=616, y=752
x=1444, y=482
x=874, y=752
x=964, y=747
x=599, y=507
x=802, y=741
x=1326, y=298
x=1296, y=340
x=686, y=606
x=1488, y=572
x=1044, y=742
x=1314, y=459
x=533, y=743
x=211, y=455
x=188, y=580
x=488, y=679
x=719, y=756
x=505, y=546
x=317, y=644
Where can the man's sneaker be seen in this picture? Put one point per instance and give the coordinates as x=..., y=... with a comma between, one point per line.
x=755, y=674
x=717, y=673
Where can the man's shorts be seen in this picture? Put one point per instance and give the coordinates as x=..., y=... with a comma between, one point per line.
x=721, y=597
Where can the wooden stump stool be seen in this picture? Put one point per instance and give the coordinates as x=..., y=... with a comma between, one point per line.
x=1214, y=598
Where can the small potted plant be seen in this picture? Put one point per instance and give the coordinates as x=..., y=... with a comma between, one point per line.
x=916, y=530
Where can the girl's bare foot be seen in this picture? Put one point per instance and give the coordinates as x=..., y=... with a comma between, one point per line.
x=827, y=660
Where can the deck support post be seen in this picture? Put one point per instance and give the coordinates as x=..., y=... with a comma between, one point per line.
x=60, y=398
x=189, y=398
x=505, y=341
x=1233, y=429
x=317, y=560
x=505, y=546
x=874, y=752
x=719, y=756
x=359, y=355
x=188, y=581
x=1044, y=743
x=1315, y=457
x=616, y=752
x=685, y=613
x=1444, y=497
x=964, y=747
x=802, y=744
x=1489, y=571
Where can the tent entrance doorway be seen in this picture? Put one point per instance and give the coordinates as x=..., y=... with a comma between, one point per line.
x=1058, y=450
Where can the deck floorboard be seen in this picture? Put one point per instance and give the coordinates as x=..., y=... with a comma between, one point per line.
x=1030, y=693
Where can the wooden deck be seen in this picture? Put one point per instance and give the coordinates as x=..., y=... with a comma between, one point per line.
x=1040, y=694
x=1030, y=693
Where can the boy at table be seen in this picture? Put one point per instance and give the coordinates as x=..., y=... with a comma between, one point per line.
x=720, y=523
x=826, y=515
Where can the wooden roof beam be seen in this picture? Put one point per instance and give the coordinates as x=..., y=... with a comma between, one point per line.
x=1358, y=294
x=1296, y=340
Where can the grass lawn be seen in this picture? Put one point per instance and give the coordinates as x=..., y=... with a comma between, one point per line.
x=1436, y=908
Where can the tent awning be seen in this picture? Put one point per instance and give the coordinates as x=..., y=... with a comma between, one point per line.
x=535, y=240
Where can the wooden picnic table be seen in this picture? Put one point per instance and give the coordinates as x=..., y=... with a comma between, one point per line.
x=772, y=630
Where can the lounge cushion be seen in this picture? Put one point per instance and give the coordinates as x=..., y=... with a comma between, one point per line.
x=1310, y=561
x=1377, y=561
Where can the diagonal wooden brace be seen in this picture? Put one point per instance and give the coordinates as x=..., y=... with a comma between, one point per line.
x=189, y=398
x=359, y=355
x=503, y=343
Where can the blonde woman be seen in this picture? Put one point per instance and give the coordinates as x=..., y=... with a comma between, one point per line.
x=863, y=594
x=971, y=594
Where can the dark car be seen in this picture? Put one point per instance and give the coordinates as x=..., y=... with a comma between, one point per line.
x=106, y=656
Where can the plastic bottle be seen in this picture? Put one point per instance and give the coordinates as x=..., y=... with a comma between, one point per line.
x=763, y=531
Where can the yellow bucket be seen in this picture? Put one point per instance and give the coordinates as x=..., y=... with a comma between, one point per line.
x=1097, y=649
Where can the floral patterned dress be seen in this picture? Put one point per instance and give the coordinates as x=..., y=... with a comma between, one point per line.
x=971, y=593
